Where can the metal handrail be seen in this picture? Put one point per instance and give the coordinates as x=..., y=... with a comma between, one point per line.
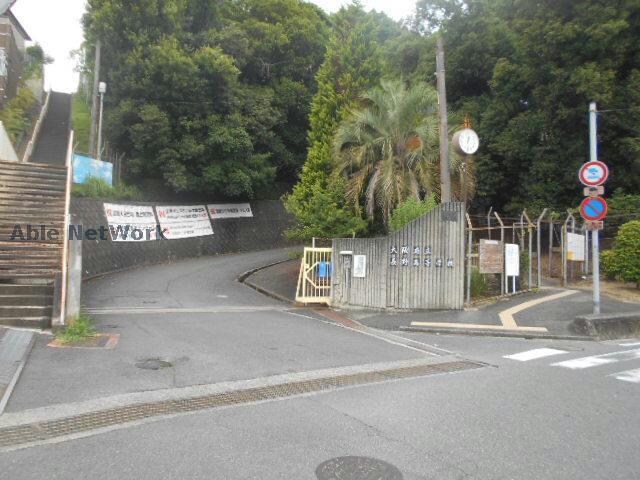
x=65, y=233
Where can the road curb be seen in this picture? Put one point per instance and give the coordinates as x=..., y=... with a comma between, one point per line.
x=608, y=326
x=244, y=279
x=17, y=371
x=496, y=333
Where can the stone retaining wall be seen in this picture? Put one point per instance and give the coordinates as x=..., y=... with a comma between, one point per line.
x=265, y=230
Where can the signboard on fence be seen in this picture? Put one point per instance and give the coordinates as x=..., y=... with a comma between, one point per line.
x=229, y=210
x=131, y=223
x=512, y=259
x=359, y=266
x=575, y=247
x=184, y=221
x=85, y=168
x=491, y=256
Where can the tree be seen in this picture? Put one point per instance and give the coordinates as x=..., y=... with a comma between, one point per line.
x=354, y=62
x=388, y=150
x=526, y=72
x=209, y=97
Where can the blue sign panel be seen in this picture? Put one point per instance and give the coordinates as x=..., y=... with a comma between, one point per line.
x=86, y=167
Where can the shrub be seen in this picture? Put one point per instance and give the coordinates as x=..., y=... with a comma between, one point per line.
x=621, y=203
x=320, y=211
x=478, y=283
x=407, y=211
x=98, y=188
x=623, y=262
x=16, y=115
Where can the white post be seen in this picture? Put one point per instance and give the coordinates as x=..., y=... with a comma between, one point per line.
x=99, y=152
x=593, y=150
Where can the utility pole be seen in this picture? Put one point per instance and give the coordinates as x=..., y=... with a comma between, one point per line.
x=94, y=100
x=445, y=175
x=595, y=234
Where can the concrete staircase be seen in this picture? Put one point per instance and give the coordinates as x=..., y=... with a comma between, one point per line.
x=30, y=194
x=51, y=145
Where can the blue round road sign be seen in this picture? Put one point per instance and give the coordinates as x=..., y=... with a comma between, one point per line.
x=593, y=209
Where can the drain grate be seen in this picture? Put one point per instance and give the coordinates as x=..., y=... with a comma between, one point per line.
x=51, y=429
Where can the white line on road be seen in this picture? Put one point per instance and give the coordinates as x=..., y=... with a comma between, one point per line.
x=597, y=360
x=632, y=344
x=632, y=376
x=534, y=354
x=151, y=311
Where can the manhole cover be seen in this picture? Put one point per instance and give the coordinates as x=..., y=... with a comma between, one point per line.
x=153, y=364
x=357, y=468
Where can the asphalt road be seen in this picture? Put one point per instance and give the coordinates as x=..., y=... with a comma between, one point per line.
x=536, y=410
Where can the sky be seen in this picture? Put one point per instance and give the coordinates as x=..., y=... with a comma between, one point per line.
x=55, y=24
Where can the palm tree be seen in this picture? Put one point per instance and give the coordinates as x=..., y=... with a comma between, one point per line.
x=388, y=150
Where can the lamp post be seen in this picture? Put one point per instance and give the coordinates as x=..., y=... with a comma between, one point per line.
x=102, y=88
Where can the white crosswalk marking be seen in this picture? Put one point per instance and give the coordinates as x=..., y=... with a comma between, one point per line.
x=632, y=376
x=597, y=360
x=534, y=354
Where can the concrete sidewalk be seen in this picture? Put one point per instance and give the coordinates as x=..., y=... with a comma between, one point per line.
x=548, y=312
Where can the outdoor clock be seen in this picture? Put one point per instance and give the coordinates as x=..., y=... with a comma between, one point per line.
x=466, y=142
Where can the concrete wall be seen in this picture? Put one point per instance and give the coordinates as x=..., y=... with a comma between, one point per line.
x=264, y=231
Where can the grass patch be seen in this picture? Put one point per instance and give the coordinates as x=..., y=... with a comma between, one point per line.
x=98, y=188
x=295, y=254
x=80, y=330
x=81, y=119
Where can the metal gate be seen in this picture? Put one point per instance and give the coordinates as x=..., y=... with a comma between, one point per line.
x=314, y=281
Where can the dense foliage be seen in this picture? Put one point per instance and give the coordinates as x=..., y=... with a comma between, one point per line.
x=623, y=261
x=211, y=97
x=235, y=98
x=409, y=210
x=355, y=62
x=526, y=72
x=20, y=113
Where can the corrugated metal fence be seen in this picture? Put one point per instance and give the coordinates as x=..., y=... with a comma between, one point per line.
x=418, y=267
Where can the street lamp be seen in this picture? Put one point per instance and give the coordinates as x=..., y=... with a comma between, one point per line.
x=102, y=89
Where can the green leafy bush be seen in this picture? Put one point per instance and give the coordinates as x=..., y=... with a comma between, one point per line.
x=98, y=188
x=324, y=213
x=407, y=211
x=621, y=203
x=17, y=115
x=623, y=262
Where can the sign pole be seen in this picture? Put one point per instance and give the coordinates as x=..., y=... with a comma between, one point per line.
x=593, y=153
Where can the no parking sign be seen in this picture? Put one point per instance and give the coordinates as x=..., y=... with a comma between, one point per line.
x=593, y=209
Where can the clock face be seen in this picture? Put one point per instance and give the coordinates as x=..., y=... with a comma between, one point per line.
x=468, y=141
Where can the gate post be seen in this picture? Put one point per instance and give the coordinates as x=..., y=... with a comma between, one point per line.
x=469, y=252
x=539, y=246
x=503, y=277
